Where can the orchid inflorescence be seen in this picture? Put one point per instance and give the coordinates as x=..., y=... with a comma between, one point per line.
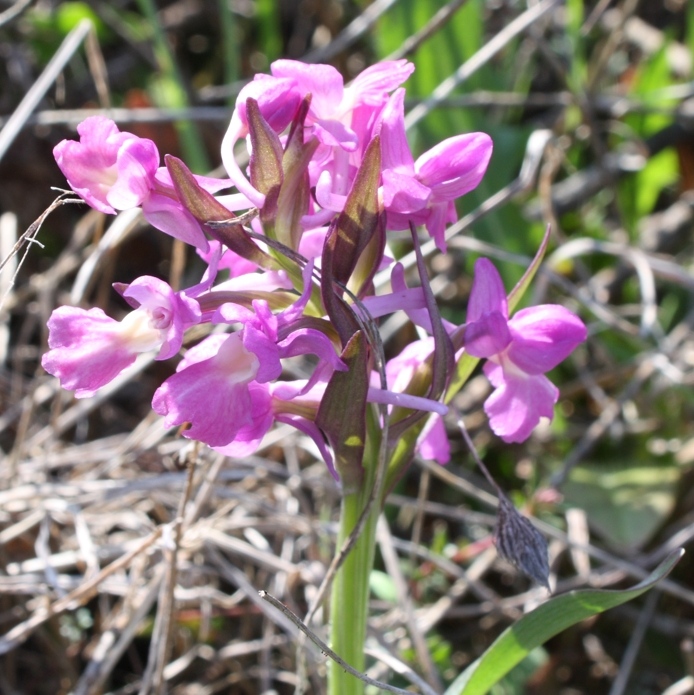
x=330, y=173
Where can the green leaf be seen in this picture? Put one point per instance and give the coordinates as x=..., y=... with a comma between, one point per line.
x=516, y=681
x=549, y=619
x=522, y=285
x=626, y=505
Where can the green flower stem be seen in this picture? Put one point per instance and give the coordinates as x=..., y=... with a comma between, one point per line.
x=349, y=598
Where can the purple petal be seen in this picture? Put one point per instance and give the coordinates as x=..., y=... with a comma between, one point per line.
x=87, y=350
x=266, y=351
x=169, y=312
x=332, y=133
x=169, y=216
x=90, y=164
x=403, y=193
x=455, y=166
x=487, y=336
x=371, y=84
x=397, y=221
x=138, y=161
x=309, y=341
x=249, y=436
x=518, y=403
x=436, y=220
x=323, y=82
x=433, y=443
x=216, y=409
x=278, y=100
x=543, y=336
x=411, y=301
x=211, y=394
x=488, y=293
x=395, y=150
x=401, y=369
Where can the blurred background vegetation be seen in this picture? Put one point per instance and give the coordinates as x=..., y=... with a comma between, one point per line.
x=591, y=109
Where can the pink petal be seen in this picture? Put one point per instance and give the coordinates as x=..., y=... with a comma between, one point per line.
x=87, y=350
x=211, y=394
x=488, y=293
x=433, y=443
x=488, y=336
x=543, y=336
x=323, y=82
x=309, y=341
x=90, y=164
x=169, y=216
x=439, y=214
x=455, y=166
x=395, y=150
x=402, y=193
x=249, y=436
x=138, y=161
x=372, y=83
x=335, y=134
x=518, y=403
x=400, y=369
x=267, y=352
x=170, y=312
x=278, y=100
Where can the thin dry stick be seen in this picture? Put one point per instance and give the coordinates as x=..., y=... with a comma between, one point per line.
x=115, y=640
x=392, y=565
x=29, y=237
x=160, y=645
x=412, y=43
x=80, y=595
x=11, y=12
x=484, y=55
x=635, y=641
x=38, y=90
x=97, y=66
x=326, y=649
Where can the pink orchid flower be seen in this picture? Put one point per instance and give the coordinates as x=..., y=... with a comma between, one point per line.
x=341, y=118
x=332, y=105
x=424, y=190
x=519, y=351
x=113, y=170
x=216, y=384
x=294, y=403
x=88, y=349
